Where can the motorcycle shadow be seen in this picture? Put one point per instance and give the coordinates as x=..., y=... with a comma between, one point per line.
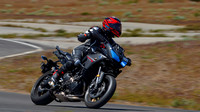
x=106, y=108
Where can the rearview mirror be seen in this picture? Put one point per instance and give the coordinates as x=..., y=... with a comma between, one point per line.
x=57, y=47
x=44, y=57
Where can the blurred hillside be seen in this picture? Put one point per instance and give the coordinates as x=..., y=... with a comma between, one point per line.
x=148, y=11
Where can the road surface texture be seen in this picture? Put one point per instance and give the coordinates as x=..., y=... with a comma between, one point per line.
x=10, y=48
x=13, y=102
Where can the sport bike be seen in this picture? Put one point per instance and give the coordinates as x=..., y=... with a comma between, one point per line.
x=92, y=82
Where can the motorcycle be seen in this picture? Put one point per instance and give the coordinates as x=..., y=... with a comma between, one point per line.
x=92, y=82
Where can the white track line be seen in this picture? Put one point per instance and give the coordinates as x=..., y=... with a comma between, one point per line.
x=18, y=54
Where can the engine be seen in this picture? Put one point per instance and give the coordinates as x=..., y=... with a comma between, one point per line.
x=70, y=86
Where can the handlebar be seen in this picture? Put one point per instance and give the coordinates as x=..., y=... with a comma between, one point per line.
x=61, y=52
x=62, y=56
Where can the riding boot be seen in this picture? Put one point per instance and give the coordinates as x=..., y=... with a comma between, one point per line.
x=58, y=73
x=53, y=79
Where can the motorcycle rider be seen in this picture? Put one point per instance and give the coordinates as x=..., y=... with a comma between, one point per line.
x=95, y=36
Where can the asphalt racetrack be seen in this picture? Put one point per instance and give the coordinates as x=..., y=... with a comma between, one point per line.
x=13, y=102
x=10, y=48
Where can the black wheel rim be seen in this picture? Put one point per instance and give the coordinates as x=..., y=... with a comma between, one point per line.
x=95, y=95
x=41, y=89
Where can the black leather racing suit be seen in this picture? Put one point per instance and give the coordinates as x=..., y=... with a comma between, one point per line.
x=92, y=35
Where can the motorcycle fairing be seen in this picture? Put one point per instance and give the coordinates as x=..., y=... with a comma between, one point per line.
x=114, y=55
x=124, y=62
x=93, y=58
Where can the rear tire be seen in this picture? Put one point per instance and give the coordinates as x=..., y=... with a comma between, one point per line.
x=43, y=99
x=109, y=91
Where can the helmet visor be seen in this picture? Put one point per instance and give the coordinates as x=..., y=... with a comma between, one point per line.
x=116, y=29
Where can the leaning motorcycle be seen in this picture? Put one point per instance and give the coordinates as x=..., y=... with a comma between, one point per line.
x=92, y=82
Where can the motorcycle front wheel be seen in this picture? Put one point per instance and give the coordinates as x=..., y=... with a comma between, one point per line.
x=39, y=93
x=99, y=97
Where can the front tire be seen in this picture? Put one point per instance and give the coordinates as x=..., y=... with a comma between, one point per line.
x=106, y=95
x=41, y=98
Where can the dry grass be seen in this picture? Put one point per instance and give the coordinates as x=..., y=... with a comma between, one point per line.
x=21, y=72
x=162, y=74
x=167, y=12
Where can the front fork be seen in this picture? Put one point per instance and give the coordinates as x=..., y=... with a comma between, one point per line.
x=99, y=78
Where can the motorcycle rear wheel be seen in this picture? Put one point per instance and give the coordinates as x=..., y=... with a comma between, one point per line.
x=41, y=98
x=109, y=90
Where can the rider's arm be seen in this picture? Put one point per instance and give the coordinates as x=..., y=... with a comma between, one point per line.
x=96, y=33
x=84, y=36
x=93, y=32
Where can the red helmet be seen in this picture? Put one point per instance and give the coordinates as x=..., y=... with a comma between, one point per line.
x=112, y=25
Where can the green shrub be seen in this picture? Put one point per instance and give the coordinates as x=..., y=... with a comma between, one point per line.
x=6, y=11
x=179, y=18
x=183, y=103
x=171, y=10
x=86, y=13
x=8, y=35
x=157, y=30
x=69, y=13
x=8, y=5
x=46, y=7
x=38, y=12
x=135, y=1
x=10, y=11
x=124, y=19
x=174, y=13
x=21, y=11
x=63, y=33
x=60, y=31
x=40, y=29
x=139, y=10
x=156, y=1
x=96, y=18
x=160, y=10
x=130, y=2
x=128, y=14
x=188, y=28
x=3, y=10
x=117, y=2
x=195, y=0
x=197, y=14
x=34, y=0
x=52, y=13
x=104, y=3
x=111, y=10
x=139, y=33
x=138, y=30
x=35, y=36
x=133, y=33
